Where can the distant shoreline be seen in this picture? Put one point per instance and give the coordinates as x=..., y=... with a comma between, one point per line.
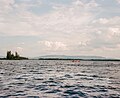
x=80, y=59
x=69, y=59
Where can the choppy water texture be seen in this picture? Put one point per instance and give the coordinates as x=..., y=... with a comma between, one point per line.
x=59, y=79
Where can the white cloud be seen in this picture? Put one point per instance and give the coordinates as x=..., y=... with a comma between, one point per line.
x=114, y=31
x=26, y=4
x=53, y=46
x=14, y=49
x=64, y=19
x=108, y=26
x=103, y=20
x=93, y=4
x=118, y=1
x=6, y=6
x=19, y=49
x=83, y=43
x=74, y=27
x=78, y=3
x=113, y=21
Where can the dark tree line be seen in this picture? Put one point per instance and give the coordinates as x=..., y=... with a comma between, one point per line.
x=16, y=56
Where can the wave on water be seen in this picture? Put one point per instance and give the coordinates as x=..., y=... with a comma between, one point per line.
x=59, y=79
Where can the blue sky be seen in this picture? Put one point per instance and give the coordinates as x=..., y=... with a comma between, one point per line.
x=60, y=27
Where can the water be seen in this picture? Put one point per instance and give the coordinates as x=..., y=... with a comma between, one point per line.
x=59, y=79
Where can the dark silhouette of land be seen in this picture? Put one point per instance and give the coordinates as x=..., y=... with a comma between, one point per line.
x=11, y=56
x=79, y=59
x=16, y=56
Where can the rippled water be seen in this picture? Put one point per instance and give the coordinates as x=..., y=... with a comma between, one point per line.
x=59, y=79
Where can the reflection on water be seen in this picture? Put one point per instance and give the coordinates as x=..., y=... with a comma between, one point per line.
x=59, y=79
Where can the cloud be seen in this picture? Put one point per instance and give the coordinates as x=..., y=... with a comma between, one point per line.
x=109, y=26
x=118, y=1
x=14, y=49
x=102, y=20
x=53, y=46
x=78, y=26
x=19, y=49
x=63, y=19
x=27, y=4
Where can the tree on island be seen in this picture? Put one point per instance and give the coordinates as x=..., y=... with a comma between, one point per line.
x=17, y=55
x=11, y=56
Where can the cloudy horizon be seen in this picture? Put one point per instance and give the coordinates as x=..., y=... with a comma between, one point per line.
x=60, y=27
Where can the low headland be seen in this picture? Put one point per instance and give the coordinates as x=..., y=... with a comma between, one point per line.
x=79, y=59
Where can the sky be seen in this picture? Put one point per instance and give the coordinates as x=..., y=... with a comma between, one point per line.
x=60, y=27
